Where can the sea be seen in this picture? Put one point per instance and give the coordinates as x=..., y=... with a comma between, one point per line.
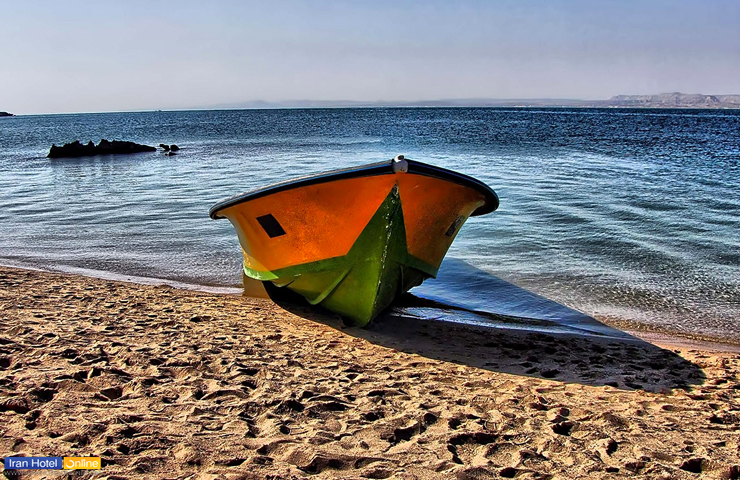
x=621, y=215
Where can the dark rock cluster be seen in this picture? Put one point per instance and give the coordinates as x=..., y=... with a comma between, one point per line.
x=169, y=149
x=6, y=114
x=77, y=149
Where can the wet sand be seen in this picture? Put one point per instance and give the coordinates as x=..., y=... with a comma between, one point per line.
x=169, y=383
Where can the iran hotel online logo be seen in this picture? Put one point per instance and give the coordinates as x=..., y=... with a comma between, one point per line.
x=52, y=463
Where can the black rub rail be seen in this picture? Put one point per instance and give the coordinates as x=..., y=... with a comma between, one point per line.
x=380, y=168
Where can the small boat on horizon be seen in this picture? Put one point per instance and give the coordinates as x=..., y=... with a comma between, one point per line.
x=353, y=240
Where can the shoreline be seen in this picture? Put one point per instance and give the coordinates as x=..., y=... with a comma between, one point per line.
x=648, y=332
x=164, y=382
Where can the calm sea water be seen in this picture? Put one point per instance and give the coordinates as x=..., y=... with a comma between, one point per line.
x=621, y=214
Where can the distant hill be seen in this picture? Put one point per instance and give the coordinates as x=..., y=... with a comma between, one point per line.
x=663, y=100
x=454, y=102
x=676, y=100
x=6, y=114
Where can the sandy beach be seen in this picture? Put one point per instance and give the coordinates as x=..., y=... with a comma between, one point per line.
x=169, y=383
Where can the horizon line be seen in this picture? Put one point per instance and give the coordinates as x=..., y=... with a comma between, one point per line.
x=468, y=102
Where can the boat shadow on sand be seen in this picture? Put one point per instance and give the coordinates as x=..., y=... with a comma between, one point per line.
x=512, y=330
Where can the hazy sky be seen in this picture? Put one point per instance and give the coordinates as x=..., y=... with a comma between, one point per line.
x=81, y=56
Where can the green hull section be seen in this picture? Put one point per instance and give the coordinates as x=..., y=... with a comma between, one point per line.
x=362, y=283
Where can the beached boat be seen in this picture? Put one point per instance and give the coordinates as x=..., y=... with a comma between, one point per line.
x=352, y=240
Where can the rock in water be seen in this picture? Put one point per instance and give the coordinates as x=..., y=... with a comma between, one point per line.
x=165, y=147
x=174, y=148
x=6, y=114
x=76, y=149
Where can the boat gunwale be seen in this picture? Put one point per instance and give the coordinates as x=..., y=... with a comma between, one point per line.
x=373, y=169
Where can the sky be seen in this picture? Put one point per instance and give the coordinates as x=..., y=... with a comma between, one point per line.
x=89, y=56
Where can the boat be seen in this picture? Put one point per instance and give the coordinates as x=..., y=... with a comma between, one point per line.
x=352, y=240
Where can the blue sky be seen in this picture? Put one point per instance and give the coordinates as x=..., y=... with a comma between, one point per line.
x=81, y=56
